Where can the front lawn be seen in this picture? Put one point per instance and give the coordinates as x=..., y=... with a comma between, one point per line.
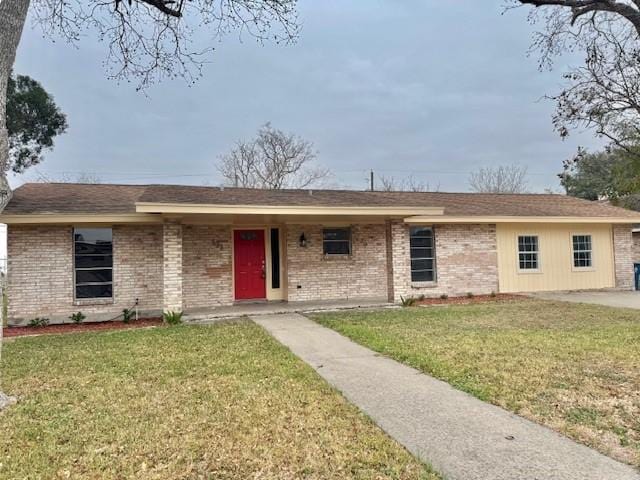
x=574, y=368
x=216, y=402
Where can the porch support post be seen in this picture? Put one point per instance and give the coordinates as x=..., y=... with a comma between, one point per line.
x=172, y=266
x=398, y=261
x=623, y=256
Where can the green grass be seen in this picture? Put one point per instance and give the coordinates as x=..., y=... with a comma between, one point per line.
x=216, y=402
x=574, y=368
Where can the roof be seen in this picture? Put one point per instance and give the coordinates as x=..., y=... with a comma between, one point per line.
x=73, y=198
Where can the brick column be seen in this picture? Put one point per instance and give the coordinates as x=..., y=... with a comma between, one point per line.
x=623, y=256
x=398, y=260
x=172, y=267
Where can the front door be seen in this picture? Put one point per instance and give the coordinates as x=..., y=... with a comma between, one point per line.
x=249, y=261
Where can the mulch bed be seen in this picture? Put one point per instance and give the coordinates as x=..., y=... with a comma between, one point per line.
x=500, y=297
x=80, y=327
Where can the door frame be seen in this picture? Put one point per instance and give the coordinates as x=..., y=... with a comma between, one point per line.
x=271, y=294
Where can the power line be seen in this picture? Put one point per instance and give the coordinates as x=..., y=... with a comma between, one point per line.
x=209, y=174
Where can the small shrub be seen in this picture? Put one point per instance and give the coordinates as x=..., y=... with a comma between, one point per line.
x=421, y=297
x=38, y=322
x=127, y=315
x=493, y=294
x=444, y=296
x=469, y=295
x=172, y=318
x=77, y=317
x=407, y=301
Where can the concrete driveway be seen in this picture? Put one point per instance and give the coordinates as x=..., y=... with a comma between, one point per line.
x=609, y=298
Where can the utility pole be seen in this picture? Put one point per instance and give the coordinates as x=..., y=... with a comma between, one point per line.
x=371, y=178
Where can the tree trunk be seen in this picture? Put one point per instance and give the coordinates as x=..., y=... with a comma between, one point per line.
x=13, y=14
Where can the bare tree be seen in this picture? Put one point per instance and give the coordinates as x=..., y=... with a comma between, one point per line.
x=81, y=177
x=604, y=92
x=273, y=160
x=408, y=184
x=146, y=40
x=502, y=179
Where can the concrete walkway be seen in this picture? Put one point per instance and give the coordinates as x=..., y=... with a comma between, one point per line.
x=461, y=436
x=611, y=298
x=211, y=315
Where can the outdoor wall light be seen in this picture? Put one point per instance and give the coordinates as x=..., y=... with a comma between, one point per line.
x=303, y=240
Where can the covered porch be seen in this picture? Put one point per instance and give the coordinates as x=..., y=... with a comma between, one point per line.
x=216, y=257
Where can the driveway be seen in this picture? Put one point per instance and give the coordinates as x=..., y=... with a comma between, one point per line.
x=461, y=436
x=609, y=298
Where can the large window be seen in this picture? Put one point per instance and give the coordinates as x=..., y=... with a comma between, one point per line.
x=582, y=251
x=336, y=241
x=423, y=259
x=93, y=262
x=528, y=253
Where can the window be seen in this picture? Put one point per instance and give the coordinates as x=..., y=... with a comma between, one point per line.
x=336, y=241
x=582, y=251
x=275, y=258
x=528, y=252
x=423, y=259
x=93, y=261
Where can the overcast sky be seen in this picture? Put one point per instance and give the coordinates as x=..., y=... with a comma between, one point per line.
x=430, y=88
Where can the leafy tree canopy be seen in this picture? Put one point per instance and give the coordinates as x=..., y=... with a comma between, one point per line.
x=613, y=174
x=33, y=121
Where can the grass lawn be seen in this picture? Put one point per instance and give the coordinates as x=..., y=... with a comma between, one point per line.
x=216, y=402
x=574, y=368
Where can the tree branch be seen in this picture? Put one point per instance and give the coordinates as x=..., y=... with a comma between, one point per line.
x=162, y=6
x=582, y=7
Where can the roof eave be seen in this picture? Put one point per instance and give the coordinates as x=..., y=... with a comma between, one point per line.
x=78, y=218
x=427, y=219
x=304, y=210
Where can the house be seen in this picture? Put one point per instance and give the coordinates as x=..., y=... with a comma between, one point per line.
x=102, y=248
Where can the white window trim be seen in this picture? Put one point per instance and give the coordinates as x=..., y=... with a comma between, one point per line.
x=592, y=268
x=527, y=271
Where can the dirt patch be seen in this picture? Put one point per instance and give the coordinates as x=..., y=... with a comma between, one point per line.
x=81, y=327
x=6, y=400
x=465, y=300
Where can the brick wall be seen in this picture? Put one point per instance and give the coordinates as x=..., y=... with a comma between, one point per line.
x=172, y=267
x=40, y=272
x=623, y=255
x=358, y=276
x=198, y=266
x=466, y=261
x=207, y=266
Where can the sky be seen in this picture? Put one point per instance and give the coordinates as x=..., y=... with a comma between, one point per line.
x=425, y=88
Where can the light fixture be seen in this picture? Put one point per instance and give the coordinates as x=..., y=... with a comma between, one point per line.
x=303, y=240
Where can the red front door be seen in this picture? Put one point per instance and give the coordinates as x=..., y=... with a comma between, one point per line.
x=249, y=261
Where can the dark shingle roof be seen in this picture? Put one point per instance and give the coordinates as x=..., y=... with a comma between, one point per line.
x=104, y=198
